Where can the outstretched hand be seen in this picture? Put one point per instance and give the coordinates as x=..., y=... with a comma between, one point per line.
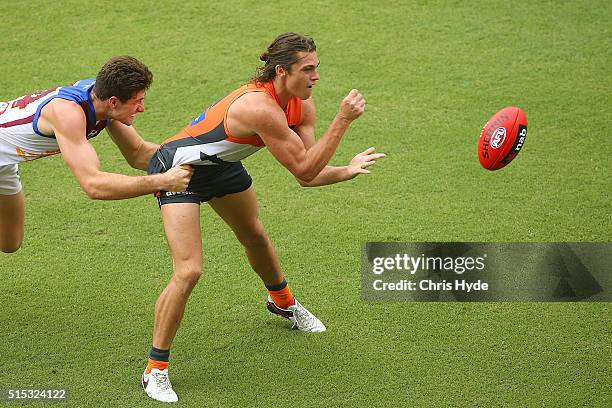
x=360, y=163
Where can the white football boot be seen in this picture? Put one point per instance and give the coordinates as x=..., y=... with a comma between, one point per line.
x=299, y=315
x=157, y=386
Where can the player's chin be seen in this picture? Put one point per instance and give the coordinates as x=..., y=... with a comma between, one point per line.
x=306, y=94
x=127, y=121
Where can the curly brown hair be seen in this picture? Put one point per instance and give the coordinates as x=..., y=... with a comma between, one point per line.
x=121, y=77
x=283, y=51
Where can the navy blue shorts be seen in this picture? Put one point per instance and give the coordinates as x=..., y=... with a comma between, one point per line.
x=207, y=182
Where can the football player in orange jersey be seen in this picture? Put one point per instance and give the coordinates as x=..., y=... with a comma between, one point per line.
x=275, y=110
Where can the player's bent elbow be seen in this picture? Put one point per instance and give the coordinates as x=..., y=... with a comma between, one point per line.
x=302, y=182
x=93, y=192
x=138, y=165
x=305, y=176
x=303, y=172
x=140, y=162
x=305, y=179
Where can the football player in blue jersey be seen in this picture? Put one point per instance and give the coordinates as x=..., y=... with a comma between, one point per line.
x=62, y=120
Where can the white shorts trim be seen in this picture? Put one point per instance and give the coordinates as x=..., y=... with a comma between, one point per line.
x=10, y=184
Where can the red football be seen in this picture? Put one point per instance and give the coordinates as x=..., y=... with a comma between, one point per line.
x=502, y=138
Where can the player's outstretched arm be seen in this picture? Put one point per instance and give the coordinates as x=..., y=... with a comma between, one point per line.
x=133, y=147
x=269, y=122
x=335, y=174
x=67, y=121
x=332, y=174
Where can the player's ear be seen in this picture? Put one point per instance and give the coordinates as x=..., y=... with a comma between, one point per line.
x=280, y=71
x=113, y=101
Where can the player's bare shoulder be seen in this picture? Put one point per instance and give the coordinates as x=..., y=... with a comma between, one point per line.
x=60, y=114
x=250, y=111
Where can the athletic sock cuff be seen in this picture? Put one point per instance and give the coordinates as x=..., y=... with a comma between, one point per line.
x=159, y=354
x=277, y=287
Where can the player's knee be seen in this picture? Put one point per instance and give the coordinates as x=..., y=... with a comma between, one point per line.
x=253, y=237
x=187, y=277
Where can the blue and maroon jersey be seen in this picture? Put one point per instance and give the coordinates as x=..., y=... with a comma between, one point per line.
x=20, y=138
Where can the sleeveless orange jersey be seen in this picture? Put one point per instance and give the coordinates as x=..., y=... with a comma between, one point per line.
x=208, y=141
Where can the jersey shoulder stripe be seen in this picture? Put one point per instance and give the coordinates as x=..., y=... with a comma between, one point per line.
x=80, y=93
x=20, y=136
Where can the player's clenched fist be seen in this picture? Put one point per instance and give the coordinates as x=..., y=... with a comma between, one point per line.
x=177, y=178
x=352, y=105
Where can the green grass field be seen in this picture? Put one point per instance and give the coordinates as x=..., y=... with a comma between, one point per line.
x=76, y=302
